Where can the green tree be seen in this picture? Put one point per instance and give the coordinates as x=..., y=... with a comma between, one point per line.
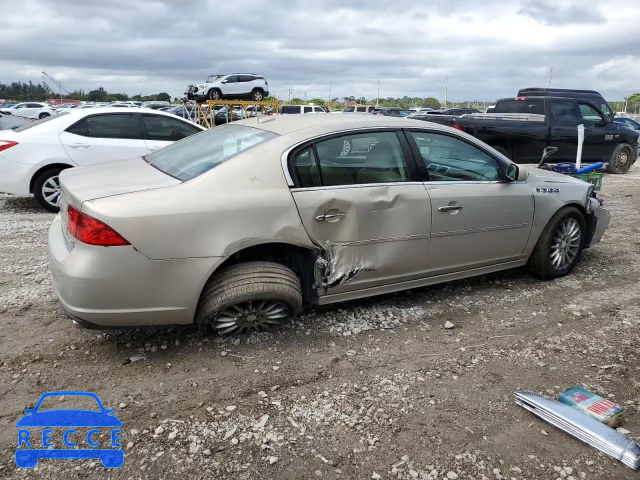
x=99, y=95
x=431, y=102
x=318, y=101
x=296, y=101
x=163, y=97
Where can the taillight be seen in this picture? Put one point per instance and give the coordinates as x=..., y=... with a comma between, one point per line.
x=457, y=127
x=4, y=144
x=91, y=230
x=521, y=99
x=266, y=83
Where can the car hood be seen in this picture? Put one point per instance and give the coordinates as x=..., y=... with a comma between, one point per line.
x=69, y=418
x=537, y=176
x=113, y=178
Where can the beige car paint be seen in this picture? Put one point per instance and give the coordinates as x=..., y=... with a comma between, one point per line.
x=392, y=236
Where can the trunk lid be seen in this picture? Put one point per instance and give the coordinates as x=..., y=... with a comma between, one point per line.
x=114, y=178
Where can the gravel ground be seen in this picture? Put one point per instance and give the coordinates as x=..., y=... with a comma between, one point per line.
x=368, y=389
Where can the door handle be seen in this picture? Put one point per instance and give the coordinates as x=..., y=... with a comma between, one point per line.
x=79, y=145
x=449, y=208
x=330, y=216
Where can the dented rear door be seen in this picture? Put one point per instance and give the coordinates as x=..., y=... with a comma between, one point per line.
x=358, y=201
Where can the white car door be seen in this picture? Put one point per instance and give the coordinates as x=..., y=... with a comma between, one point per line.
x=231, y=86
x=105, y=137
x=161, y=130
x=21, y=110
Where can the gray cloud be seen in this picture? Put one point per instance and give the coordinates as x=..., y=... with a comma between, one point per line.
x=487, y=49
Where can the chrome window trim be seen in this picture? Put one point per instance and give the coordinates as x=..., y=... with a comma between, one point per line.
x=355, y=185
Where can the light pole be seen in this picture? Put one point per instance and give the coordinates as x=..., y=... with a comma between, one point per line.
x=626, y=99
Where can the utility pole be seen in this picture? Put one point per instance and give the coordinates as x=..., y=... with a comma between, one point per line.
x=329, y=99
x=305, y=97
x=626, y=99
x=290, y=90
x=378, y=96
x=550, y=74
x=446, y=86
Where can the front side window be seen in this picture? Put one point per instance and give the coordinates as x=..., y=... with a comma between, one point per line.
x=167, y=129
x=589, y=114
x=349, y=109
x=361, y=109
x=308, y=109
x=200, y=153
x=112, y=125
x=450, y=159
x=361, y=158
x=231, y=79
x=564, y=111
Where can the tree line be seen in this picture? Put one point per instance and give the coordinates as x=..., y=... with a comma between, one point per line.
x=39, y=92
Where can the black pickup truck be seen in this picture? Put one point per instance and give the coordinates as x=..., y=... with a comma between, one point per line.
x=522, y=127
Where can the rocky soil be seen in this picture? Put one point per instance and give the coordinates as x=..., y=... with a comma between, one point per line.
x=414, y=385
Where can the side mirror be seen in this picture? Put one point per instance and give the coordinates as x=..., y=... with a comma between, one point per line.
x=512, y=172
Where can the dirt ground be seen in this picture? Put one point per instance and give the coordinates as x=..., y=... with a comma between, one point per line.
x=368, y=389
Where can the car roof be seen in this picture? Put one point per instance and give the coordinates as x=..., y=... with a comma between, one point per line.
x=285, y=124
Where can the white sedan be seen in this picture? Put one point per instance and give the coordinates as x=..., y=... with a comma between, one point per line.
x=31, y=110
x=32, y=156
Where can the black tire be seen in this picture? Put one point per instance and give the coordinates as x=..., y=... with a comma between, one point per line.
x=214, y=94
x=540, y=263
x=44, y=115
x=621, y=159
x=249, y=286
x=257, y=95
x=39, y=183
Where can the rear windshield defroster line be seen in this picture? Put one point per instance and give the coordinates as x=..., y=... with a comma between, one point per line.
x=199, y=153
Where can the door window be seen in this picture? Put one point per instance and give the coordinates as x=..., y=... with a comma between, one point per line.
x=231, y=79
x=166, y=129
x=450, y=159
x=364, y=158
x=564, y=111
x=34, y=105
x=589, y=114
x=115, y=125
x=307, y=169
x=290, y=109
x=308, y=109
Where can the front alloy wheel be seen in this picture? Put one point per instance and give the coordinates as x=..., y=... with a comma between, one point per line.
x=47, y=190
x=566, y=244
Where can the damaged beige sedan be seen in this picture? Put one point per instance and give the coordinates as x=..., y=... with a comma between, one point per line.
x=237, y=228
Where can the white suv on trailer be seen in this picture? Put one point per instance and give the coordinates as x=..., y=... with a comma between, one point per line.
x=234, y=86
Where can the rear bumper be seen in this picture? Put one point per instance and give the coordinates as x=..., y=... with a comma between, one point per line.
x=15, y=177
x=597, y=225
x=120, y=287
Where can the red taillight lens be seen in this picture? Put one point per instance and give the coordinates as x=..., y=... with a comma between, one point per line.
x=4, y=144
x=457, y=127
x=521, y=99
x=92, y=231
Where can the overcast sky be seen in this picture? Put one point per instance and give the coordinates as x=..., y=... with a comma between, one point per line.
x=487, y=48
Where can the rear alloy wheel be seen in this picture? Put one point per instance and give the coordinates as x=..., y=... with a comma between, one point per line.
x=44, y=115
x=621, y=159
x=46, y=189
x=214, y=94
x=252, y=296
x=560, y=245
x=257, y=95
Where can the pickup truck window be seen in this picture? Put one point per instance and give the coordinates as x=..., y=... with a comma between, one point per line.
x=528, y=105
x=450, y=159
x=589, y=114
x=564, y=111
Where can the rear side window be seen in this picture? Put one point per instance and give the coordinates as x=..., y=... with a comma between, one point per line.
x=113, y=125
x=290, y=109
x=564, y=111
x=308, y=109
x=355, y=159
x=349, y=109
x=361, y=109
x=529, y=105
x=245, y=78
x=167, y=129
x=200, y=153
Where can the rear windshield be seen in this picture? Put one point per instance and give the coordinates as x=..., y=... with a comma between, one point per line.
x=39, y=122
x=533, y=105
x=200, y=153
